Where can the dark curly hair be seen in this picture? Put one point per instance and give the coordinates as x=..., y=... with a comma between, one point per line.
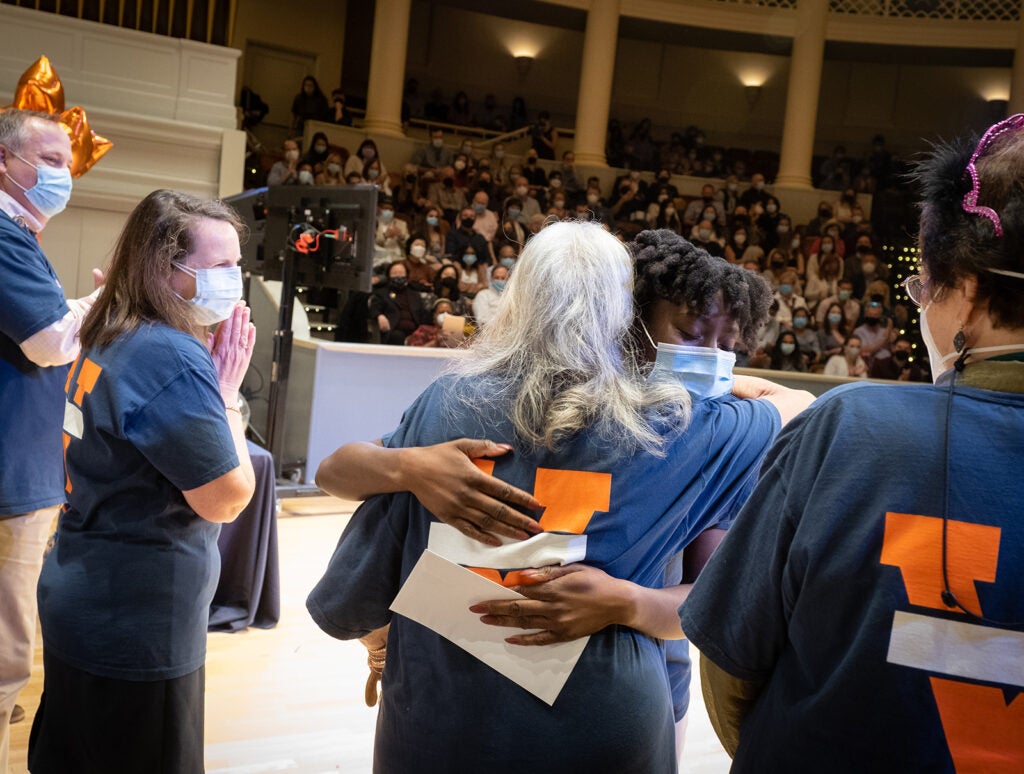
x=955, y=244
x=671, y=268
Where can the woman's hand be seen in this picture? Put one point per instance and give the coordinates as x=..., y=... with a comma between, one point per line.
x=566, y=603
x=447, y=483
x=383, y=324
x=231, y=349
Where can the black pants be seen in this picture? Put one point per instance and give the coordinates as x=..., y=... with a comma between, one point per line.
x=96, y=725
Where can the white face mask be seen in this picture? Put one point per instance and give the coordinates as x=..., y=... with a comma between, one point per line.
x=417, y=251
x=217, y=292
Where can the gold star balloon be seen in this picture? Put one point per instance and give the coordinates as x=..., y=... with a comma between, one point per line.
x=39, y=88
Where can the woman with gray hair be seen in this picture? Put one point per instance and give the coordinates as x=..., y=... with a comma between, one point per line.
x=610, y=455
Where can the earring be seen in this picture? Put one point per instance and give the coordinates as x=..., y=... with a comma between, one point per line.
x=959, y=340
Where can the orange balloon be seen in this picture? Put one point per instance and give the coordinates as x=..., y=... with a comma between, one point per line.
x=40, y=89
x=87, y=147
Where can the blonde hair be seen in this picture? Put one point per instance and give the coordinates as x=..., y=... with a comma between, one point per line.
x=559, y=350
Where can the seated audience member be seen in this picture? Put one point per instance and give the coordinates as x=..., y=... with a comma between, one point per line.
x=704, y=208
x=788, y=295
x=851, y=306
x=664, y=179
x=433, y=334
x=833, y=230
x=776, y=266
x=447, y=196
x=666, y=216
x=462, y=171
x=397, y=309
x=485, y=221
x=485, y=303
x=366, y=153
x=310, y=104
x=570, y=183
x=473, y=271
x=824, y=281
x=849, y=363
x=338, y=114
x=629, y=209
x=843, y=206
x=507, y=256
x=544, y=136
x=728, y=195
x=332, y=172
x=597, y=207
x=435, y=231
x=705, y=236
x=407, y=195
x=864, y=269
x=420, y=266
x=317, y=153
x=512, y=230
x=499, y=164
x=875, y=332
x=391, y=235
x=465, y=235
x=305, y=173
x=558, y=206
x=446, y=286
x=816, y=226
x=825, y=248
x=756, y=193
x=833, y=331
x=537, y=223
x=900, y=366
x=739, y=249
x=286, y=171
x=806, y=336
x=768, y=223
x=435, y=154
x=373, y=173
x=529, y=206
x=769, y=334
x=786, y=355
x=533, y=172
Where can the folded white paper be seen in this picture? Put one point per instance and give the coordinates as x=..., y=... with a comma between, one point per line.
x=438, y=594
x=538, y=551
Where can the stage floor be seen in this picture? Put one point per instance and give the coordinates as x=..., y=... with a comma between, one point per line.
x=291, y=698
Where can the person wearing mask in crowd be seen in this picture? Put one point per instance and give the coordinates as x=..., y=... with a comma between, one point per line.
x=435, y=231
x=901, y=367
x=851, y=306
x=310, y=104
x=768, y=225
x=789, y=244
x=875, y=332
x=446, y=195
x=664, y=180
x=824, y=282
x=338, y=114
x=777, y=266
x=286, y=171
x=373, y=173
x=660, y=199
x=305, y=174
x=826, y=248
x=849, y=363
x=397, y=308
x=499, y=164
x=529, y=206
x=816, y=226
x=570, y=183
x=843, y=206
x=854, y=229
x=537, y=223
x=567, y=583
x=864, y=269
x=534, y=173
x=871, y=606
x=832, y=331
x=704, y=236
x=666, y=216
x=834, y=230
x=835, y=170
x=786, y=355
x=512, y=230
x=463, y=172
x=558, y=207
x=739, y=249
x=408, y=195
x=465, y=235
x=420, y=267
x=332, y=171
x=807, y=336
x=473, y=270
x=38, y=338
x=460, y=113
x=391, y=235
x=317, y=154
x=788, y=296
x=704, y=208
x=433, y=334
x=155, y=461
x=366, y=153
x=728, y=195
x=485, y=303
x=485, y=221
x=596, y=206
x=756, y=193
x=507, y=257
x=435, y=154
x=446, y=286
x=544, y=136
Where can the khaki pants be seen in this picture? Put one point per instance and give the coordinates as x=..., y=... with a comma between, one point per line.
x=22, y=543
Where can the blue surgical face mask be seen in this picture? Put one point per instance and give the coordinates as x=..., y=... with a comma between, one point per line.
x=508, y=263
x=432, y=221
x=785, y=289
x=800, y=322
x=217, y=292
x=479, y=209
x=52, y=190
x=469, y=259
x=498, y=285
x=513, y=212
x=835, y=318
x=705, y=372
x=787, y=348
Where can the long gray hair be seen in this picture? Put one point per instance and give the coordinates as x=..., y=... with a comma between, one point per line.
x=559, y=351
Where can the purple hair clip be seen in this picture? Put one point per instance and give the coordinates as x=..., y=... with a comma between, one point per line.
x=970, y=202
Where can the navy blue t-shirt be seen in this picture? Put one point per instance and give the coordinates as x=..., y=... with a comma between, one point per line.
x=828, y=588
x=126, y=591
x=31, y=397
x=637, y=512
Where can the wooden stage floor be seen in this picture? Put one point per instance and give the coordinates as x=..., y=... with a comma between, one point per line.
x=290, y=699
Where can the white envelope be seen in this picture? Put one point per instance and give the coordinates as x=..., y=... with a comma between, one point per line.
x=541, y=550
x=438, y=594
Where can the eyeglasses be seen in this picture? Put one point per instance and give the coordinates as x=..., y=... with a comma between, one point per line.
x=970, y=200
x=914, y=285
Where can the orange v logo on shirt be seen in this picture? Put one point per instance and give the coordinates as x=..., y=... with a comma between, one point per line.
x=87, y=375
x=570, y=497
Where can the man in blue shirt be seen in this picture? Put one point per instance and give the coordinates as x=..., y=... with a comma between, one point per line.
x=38, y=338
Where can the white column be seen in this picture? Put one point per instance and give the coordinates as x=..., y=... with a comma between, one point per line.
x=1017, y=71
x=597, y=73
x=802, y=95
x=387, y=68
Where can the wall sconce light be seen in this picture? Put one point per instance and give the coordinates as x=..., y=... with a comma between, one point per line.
x=753, y=94
x=523, y=63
